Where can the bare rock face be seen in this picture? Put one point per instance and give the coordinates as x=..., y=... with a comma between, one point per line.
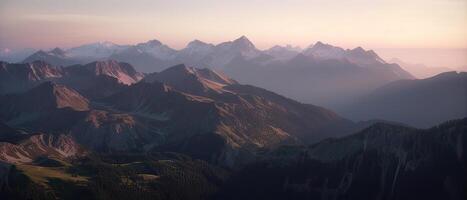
x=192, y=80
x=123, y=72
x=94, y=80
x=62, y=147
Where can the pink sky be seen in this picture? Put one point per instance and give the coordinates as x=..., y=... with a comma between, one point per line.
x=368, y=23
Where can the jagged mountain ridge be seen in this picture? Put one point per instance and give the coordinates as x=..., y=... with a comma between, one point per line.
x=154, y=56
x=108, y=76
x=321, y=74
x=191, y=80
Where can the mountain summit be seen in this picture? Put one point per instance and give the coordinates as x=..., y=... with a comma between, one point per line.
x=243, y=43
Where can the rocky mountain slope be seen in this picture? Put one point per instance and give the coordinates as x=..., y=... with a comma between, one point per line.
x=105, y=76
x=21, y=147
x=173, y=110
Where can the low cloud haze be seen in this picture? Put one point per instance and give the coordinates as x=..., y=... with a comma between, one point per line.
x=455, y=59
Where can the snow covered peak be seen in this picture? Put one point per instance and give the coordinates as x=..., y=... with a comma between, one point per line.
x=230, y=49
x=151, y=43
x=325, y=51
x=283, y=52
x=293, y=48
x=96, y=50
x=357, y=55
x=157, y=49
x=106, y=44
x=196, y=43
x=288, y=47
x=196, y=48
x=319, y=44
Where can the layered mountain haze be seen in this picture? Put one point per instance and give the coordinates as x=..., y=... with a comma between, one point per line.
x=420, y=103
x=153, y=55
x=420, y=70
x=283, y=52
x=321, y=74
x=14, y=56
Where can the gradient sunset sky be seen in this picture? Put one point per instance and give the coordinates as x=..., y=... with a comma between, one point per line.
x=350, y=23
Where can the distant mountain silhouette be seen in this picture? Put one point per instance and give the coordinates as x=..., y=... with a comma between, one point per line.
x=57, y=57
x=420, y=70
x=325, y=75
x=420, y=103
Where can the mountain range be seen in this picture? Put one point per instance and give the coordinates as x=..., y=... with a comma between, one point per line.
x=109, y=107
x=320, y=74
x=108, y=121
x=104, y=130
x=153, y=55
